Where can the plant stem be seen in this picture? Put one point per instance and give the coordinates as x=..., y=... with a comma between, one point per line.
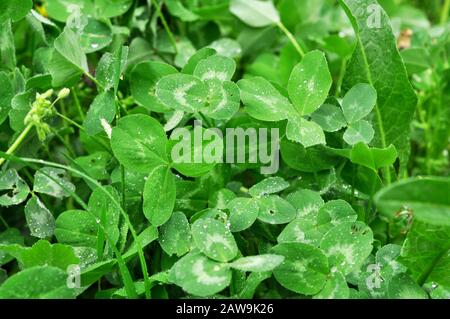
x=82, y=129
x=428, y=135
x=4, y=221
x=122, y=177
x=204, y=119
x=341, y=78
x=17, y=142
x=291, y=38
x=165, y=25
x=126, y=275
x=445, y=11
x=122, y=168
x=70, y=121
x=64, y=142
x=77, y=103
x=93, y=79
x=387, y=175
x=121, y=211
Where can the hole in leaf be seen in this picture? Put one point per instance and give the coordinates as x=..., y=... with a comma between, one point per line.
x=11, y=193
x=356, y=230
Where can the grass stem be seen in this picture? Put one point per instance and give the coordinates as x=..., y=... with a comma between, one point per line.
x=445, y=12
x=17, y=142
x=165, y=25
x=292, y=39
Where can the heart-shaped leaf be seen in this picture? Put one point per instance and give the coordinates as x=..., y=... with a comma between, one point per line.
x=214, y=239
x=310, y=83
x=139, y=143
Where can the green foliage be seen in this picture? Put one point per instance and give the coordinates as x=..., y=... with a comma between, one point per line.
x=108, y=108
x=304, y=269
x=254, y=12
x=76, y=228
x=425, y=198
x=310, y=83
x=53, y=182
x=175, y=235
x=14, y=9
x=39, y=219
x=101, y=111
x=389, y=79
x=51, y=285
x=13, y=187
x=425, y=253
x=262, y=101
x=43, y=254
x=159, y=195
x=200, y=276
x=144, y=78
x=68, y=60
x=139, y=143
x=214, y=239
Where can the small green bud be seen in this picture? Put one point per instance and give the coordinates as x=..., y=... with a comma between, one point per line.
x=63, y=93
x=44, y=95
